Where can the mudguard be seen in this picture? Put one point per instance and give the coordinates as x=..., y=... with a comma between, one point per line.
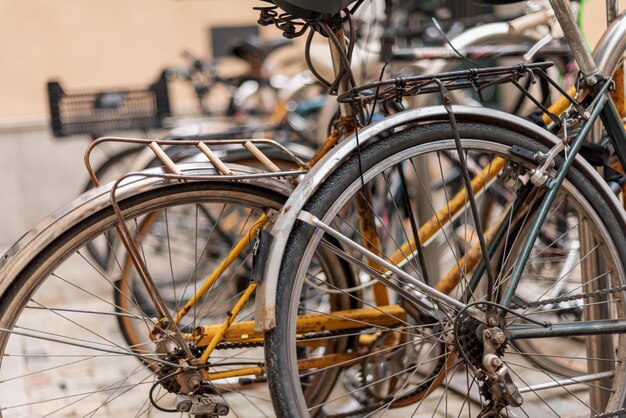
x=96, y=200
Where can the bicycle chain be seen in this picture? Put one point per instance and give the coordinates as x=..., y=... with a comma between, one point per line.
x=355, y=413
x=365, y=410
x=359, y=412
x=525, y=305
x=568, y=298
x=231, y=346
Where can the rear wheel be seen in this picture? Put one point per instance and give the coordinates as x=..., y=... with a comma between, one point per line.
x=76, y=340
x=424, y=362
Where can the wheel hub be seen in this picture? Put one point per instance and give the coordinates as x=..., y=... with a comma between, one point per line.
x=194, y=396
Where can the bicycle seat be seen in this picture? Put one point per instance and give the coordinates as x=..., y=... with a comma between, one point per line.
x=312, y=9
x=496, y=2
x=256, y=50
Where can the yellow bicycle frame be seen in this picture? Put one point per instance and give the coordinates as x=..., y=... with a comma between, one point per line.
x=384, y=315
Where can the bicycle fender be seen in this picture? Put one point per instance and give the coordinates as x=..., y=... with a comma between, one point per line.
x=607, y=52
x=30, y=244
x=266, y=292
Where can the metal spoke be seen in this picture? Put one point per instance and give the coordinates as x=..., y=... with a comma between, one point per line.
x=91, y=347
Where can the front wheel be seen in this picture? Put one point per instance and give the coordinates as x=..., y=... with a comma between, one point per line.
x=424, y=357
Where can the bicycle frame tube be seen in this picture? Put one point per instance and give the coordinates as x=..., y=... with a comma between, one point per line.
x=604, y=107
x=613, y=39
x=553, y=186
x=494, y=236
x=589, y=69
x=611, y=11
x=607, y=61
x=233, y=254
x=574, y=38
x=567, y=329
x=346, y=110
x=335, y=53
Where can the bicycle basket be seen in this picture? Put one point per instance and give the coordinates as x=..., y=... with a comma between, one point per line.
x=101, y=112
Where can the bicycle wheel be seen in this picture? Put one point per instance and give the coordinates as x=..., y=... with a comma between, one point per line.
x=63, y=352
x=428, y=361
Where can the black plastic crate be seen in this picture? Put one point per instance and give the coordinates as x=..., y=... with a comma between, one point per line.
x=101, y=112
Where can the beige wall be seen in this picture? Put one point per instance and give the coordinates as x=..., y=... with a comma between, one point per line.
x=99, y=43
x=594, y=19
x=114, y=43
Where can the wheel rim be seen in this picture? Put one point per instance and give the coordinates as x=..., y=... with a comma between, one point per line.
x=92, y=382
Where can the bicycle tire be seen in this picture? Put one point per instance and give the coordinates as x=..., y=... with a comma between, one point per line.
x=333, y=197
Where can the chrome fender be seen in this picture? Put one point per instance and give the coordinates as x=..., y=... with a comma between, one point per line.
x=94, y=201
x=266, y=292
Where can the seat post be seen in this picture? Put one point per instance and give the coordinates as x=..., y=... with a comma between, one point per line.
x=612, y=11
x=575, y=40
x=345, y=109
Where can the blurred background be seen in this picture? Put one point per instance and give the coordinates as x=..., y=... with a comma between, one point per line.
x=87, y=44
x=84, y=44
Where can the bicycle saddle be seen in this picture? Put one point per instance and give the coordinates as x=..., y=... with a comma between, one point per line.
x=496, y=2
x=257, y=49
x=312, y=9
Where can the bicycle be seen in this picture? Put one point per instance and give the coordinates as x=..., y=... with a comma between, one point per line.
x=437, y=336
x=258, y=97
x=487, y=34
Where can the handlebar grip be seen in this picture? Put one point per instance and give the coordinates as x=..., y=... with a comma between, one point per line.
x=529, y=21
